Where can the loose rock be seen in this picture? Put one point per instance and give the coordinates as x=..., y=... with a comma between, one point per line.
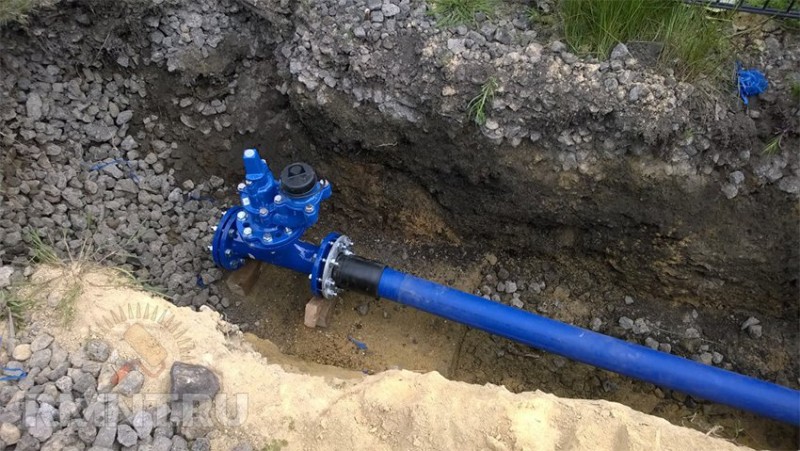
x=187, y=379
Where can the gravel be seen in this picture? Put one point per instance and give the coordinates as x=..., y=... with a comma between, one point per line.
x=754, y=331
x=131, y=384
x=692, y=333
x=751, y=321
x=22, y=352
x=628, y=299
x=5, y=276
x=65, y=410
x=9, y=434
x=97, y=350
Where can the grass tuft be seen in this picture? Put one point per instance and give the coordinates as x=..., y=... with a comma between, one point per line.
x=477, y=106
x=774, y=147
x=794, y=90
x=42, y=252
x=537, y=17
x=19, y=10
x=456, y=12
x=13, y=301
x=695, y=44
x=15, y=10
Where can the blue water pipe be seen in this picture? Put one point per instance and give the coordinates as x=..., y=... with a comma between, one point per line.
x=268, y=227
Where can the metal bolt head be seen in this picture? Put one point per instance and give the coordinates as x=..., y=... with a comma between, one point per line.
x=240, y=187
x=247, y=231
x=278, y=199
x=263, y=211
x=228, y=252
x=267, y=238
x=242, y=215
x=288, y=231
x=309, y=208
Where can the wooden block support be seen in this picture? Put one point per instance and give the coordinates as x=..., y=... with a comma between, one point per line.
x=319, y=312
x=241, y=282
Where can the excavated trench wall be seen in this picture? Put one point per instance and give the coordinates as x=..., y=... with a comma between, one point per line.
x=662, y=181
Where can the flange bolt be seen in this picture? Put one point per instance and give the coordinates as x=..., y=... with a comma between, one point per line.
x=309, y=208
x=247, y=231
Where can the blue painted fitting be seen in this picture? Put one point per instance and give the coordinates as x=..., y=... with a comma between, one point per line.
x=269, y=223
x=750, y=82
x=665, y=370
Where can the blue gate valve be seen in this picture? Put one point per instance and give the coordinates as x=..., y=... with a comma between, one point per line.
x=273, y=216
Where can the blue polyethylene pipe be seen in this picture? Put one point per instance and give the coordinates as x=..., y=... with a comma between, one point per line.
x=665, y=370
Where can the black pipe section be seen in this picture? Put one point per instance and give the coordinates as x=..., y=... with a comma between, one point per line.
x=358, y=274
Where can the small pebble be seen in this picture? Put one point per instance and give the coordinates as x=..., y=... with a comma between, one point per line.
x=626, y=323
x=628, y=300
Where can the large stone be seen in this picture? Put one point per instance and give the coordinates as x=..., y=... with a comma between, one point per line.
x=41, y=342
x=105, y=436
x=142, y=422
x=97, y=350
x=33, y=106
x=5, y=276
x=9, y=434
x=193, y=380
x=22, y=352
x=126, y=436
x=99, y=132
x=131, y=384
x=40, y=359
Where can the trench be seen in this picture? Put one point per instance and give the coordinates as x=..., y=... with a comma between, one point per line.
x=392, y=218
x=406, y=203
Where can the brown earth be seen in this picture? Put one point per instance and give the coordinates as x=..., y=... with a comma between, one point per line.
x=286, y=403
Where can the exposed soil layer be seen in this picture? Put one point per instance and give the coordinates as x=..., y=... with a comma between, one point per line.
x=435, y=199
x=263, y=406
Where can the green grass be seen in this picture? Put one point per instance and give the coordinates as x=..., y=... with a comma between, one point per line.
x=456, y=12
x=695, y=44
x=19, y=10
x=43, y=253
x=794, y=89
x=774, y=147
x=14, y=10
x=13, y=301
x=477, y=106
x=537, y=17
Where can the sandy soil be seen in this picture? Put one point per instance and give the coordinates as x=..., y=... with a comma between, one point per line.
x=278, y=402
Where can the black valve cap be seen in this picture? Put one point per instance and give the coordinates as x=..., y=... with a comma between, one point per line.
x=298, y=179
